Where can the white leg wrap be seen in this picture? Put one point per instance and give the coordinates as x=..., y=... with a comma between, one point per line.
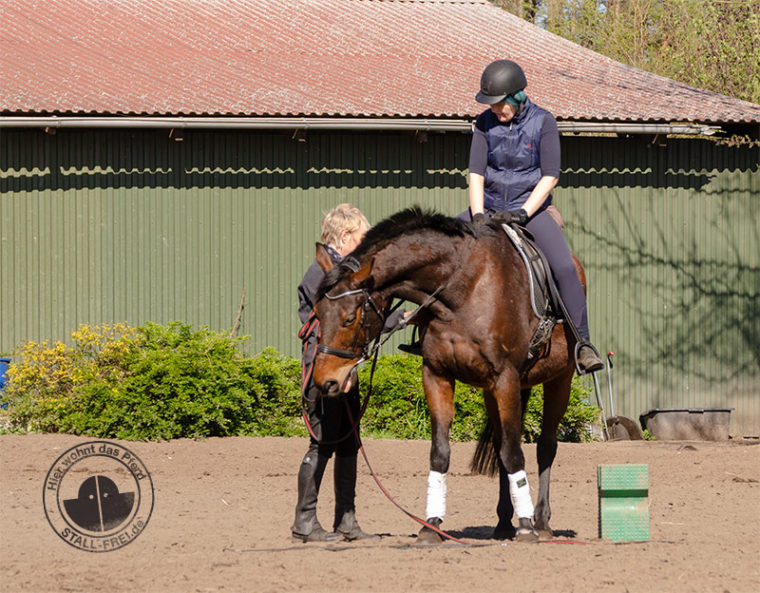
x=520, y=492
x=436, y=495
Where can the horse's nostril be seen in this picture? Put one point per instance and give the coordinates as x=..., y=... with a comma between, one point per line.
x=331, y=387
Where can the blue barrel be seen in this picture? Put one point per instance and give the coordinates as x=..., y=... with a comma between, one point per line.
x=4, y=364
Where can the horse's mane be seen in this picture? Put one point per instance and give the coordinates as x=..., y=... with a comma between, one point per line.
x=406, y=221
x=403, y=222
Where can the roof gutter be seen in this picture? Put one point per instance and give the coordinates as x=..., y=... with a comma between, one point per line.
x=329, y=123
x=241, y=123
x=628, y=128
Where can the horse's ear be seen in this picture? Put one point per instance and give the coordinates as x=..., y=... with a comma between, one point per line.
x=323, y=258
x=365, y=272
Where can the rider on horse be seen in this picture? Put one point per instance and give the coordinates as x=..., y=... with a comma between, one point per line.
x=514, y=166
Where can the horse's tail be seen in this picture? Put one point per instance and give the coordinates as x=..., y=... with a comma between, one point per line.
x=485, y=460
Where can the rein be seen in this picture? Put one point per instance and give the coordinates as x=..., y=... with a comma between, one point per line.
x=312, y=325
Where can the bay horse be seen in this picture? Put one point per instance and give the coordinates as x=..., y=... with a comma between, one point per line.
x=475, y=326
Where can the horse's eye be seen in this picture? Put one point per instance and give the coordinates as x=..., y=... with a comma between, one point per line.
x=349, y=320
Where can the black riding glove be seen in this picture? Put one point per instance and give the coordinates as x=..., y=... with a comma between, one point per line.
x=478, y=218
x=509, y=216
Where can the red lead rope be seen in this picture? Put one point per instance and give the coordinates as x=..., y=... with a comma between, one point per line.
x=312, y=325
x=389, y=497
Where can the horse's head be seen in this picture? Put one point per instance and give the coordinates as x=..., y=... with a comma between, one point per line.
x=350, y=317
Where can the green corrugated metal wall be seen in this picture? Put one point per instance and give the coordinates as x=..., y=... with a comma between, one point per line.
x=670, y=237
x=131, y=226
x=102, y=226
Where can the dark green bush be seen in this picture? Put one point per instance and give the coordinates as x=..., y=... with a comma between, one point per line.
x=154, y=382
x=577, y=421
x=164, y=382
x=398, y=408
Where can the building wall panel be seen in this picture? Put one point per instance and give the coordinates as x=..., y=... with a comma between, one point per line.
x=670, y=236
x=106, y=226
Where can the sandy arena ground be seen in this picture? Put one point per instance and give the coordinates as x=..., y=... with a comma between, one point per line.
x=223, y=508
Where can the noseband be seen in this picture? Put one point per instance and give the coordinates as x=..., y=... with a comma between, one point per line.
x=368, y=304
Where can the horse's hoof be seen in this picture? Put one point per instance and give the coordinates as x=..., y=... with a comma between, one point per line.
x=526, y=535
x=545, y=534
x=504, y=532
x=544, y=531
x=526, y=532
x=430, y=536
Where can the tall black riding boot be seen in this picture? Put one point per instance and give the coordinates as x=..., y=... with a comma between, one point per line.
x=306, y=527
x=345, y=523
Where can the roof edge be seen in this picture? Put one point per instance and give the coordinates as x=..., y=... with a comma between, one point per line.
x=334, y=123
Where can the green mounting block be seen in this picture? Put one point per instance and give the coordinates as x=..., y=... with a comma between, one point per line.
x=623, y=502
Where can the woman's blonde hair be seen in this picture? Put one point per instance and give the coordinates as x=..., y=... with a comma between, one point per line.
x=344, y=217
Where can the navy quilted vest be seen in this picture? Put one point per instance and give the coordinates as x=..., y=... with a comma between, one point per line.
x=514, y=166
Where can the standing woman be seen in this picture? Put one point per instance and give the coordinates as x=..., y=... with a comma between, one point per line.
x=343, y=228
x=514, y=166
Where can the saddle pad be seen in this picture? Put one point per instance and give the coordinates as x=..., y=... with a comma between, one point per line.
x=538, y=271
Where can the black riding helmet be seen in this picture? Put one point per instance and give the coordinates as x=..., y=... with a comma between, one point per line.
x=499, y=80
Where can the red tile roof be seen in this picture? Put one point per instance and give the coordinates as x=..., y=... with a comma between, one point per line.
x=417, y=58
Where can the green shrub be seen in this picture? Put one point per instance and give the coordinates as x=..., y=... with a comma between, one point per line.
x=277, y=396
x=577, y=421
x=164, y=382
x=398, y=407
x=153, y=382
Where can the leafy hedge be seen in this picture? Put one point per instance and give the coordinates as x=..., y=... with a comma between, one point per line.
x=398, y=408
x=153, y=382
x=164, y=382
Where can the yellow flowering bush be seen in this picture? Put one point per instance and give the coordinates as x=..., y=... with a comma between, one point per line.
x=152, y=382
x=106, y=343
x=43, y=383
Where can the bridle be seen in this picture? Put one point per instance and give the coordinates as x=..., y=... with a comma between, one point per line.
x=368, y=304
x=365, y=354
